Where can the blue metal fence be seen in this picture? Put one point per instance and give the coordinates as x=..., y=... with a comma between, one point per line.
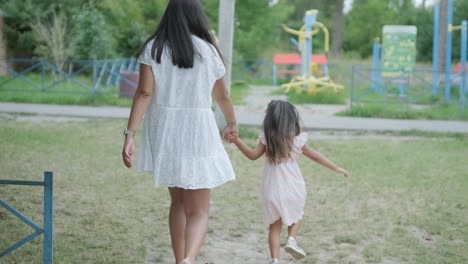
x=96, y=76
x=72, y=76
x=47, y=230
x=415, y=88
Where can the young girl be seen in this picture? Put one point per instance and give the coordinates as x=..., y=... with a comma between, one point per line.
x=283, y=188
x=180, y=68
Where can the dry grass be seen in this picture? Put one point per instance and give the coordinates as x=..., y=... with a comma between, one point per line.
x=405, y=201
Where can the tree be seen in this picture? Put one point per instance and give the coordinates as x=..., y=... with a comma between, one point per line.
x=337, y=38
x=442, y=34
x=54, y=40
x=92, y=35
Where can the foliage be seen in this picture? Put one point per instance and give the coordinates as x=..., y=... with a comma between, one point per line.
x=96, y=41
x=322, y=97
x=54, y=39
x=111, y=28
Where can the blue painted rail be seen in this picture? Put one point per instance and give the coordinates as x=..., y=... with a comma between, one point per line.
x=48, y=217
x=414, y=89
x=71, y=76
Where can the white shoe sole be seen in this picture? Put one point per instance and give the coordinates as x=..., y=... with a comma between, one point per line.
x=294, y=253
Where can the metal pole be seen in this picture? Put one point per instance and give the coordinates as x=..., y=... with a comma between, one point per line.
x=226, y=36
x=275, y=69
x=375, y=65
x=48, y=218
x=464, y=40
x=435, y=48
x=448, y=51
x=309, y=21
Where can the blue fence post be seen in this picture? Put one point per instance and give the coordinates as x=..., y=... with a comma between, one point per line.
x=42, y=76
x=375, y=71
x=353, y=69
x=435, y=49
x=275, y=69
x=448, y=51
x=464, y=40
x=48, y=218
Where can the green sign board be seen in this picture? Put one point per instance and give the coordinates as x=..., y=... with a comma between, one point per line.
x=398, y=49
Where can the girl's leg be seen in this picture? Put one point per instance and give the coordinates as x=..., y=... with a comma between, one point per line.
x=197, y=204
x=274, y=237
x=293, y=230
x=177, y=223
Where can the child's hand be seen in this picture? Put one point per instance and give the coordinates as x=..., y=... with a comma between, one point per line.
x=342, y=171
x=232, y=137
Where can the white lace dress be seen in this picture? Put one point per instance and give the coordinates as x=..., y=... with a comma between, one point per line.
x=181, y=145
x=283, y=187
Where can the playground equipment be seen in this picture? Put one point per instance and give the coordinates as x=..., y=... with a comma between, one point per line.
x=307, y=79
x=449, y=78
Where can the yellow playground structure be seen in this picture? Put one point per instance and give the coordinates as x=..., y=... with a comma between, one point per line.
x=308, y=78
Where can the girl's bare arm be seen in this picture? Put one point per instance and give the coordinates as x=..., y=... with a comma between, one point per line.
x=322, y=160
x=251, y=154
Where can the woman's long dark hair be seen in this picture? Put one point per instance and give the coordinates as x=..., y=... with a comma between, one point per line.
x=181, y=20
x=281, y=125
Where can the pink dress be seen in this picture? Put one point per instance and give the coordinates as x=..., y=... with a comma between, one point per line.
x=283, y=187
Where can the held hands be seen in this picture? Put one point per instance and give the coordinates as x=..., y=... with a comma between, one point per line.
x=342, y=171
x=231, y=138
x=229, y=130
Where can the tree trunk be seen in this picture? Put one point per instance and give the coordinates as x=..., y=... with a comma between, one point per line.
x=226, y=36
x=337, y=38
x=3, y=48
x=442, y=35
x=423, y=5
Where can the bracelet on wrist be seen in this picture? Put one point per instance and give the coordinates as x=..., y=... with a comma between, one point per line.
x=130, y=133
x=232, y=123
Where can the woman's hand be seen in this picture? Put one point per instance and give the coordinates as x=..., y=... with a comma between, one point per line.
x=342, y=171
x=231, y=138
x=229, y=129
x=128, y=151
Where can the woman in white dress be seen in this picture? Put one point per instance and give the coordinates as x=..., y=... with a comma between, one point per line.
x=180, y=68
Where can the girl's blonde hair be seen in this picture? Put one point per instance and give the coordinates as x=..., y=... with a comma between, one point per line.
x=281, y=125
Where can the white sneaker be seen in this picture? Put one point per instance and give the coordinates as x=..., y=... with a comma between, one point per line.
x=186, y=261
x=273, y=261
x=293, y=249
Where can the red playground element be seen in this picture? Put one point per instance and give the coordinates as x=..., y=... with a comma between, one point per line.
x=294, y=58
x=458, y=67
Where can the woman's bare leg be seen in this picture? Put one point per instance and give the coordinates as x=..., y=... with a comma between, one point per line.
x=197, y=204
x=274, y=237
x=293, y=230
x=177, y=223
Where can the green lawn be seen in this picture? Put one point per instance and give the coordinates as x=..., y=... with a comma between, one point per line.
x=405, y=201
x=403, y=111
x=72, y=94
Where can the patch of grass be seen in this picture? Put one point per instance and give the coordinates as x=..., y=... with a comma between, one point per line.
x=373, y=253
x=323, y=97
x=239, y=91
x=105, y=213
x=428, y=134
x=64, y=99
x=248, y=133
x=436, y=112
x=349, y=239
